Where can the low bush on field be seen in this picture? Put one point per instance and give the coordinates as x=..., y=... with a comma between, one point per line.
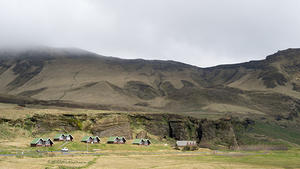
x=176, y=147
x=190, y=148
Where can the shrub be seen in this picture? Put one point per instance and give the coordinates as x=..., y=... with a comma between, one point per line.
x=204, y=145
x=190, y=148
x=51, y=154
x=193, y=148
x=176, y=147
x=186, y=148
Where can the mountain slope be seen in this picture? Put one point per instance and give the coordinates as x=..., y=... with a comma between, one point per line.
x=269, y=86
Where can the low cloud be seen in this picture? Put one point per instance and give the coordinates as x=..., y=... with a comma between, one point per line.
x=198, y=32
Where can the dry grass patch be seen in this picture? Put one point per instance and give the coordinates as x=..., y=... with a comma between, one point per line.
x=224, y=108
x=14, y=136
x=49, y=162
x=13, y=111
x=161, y=161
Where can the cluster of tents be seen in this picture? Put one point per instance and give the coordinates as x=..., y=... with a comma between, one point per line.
x=86, y=139
x=46, y=142
x=90, y=139
x=115, y=140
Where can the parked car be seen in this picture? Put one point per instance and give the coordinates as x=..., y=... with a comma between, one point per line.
x=65, y=149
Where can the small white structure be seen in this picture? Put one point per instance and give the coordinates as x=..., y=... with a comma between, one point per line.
x=65, y=149
x=68, y=138
x=185, y=143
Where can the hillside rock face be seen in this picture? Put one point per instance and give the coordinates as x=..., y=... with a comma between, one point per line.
x=159, y=125
x=111, y=125
x=77, y=78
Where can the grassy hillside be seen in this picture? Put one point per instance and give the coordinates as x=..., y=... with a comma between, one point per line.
x=80, y=77
x=259, y=140
x=290, y=134
x=123, y=156
x=212, y=130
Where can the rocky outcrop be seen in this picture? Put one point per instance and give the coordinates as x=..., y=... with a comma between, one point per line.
x=111, y=125
x=219, y=131
x=141, y=135
x=163, y=126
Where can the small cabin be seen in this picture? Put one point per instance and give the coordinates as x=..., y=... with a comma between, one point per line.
x=59, y=137
x=145, y=142
x=39, y=142
x=122, y=140
x=112, y=140
x=116, y=140
x=185, y=143
x=68, y=137
x=90, y=139
x=96, y=139
x=87, y=139
x=63, y=137
x=47, y=142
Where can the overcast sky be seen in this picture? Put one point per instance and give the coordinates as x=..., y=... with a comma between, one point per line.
x=198, y=32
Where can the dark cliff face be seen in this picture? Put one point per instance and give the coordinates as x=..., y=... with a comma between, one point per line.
x=163, y=126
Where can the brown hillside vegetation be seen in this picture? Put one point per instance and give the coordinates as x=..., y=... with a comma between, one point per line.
x=73, y=77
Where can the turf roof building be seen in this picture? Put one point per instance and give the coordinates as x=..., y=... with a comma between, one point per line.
x=90, y=139
x=96, y=139
x=116, y=140
x=87, y=139
x=38, y=142
x=145, y=142
x=63, y=137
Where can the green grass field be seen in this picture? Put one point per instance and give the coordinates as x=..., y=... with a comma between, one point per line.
x=157, y=155
x=289, y=134
x=280, y=159
x=161, y=154
x=169, y=159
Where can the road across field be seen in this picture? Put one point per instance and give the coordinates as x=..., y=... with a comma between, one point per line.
x=72, y=153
